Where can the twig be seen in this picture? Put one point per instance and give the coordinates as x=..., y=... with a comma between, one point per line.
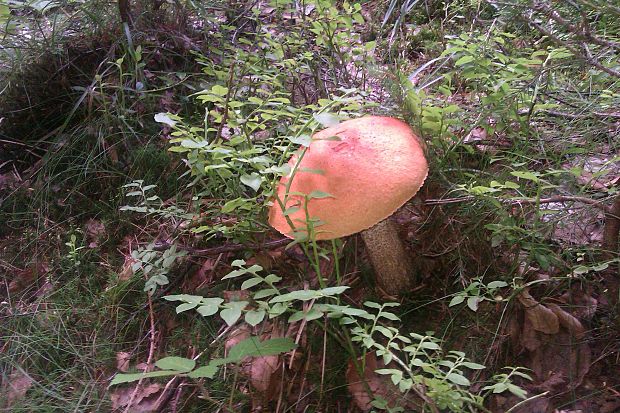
x=225, y=248
x=584, y=32
x=522, y=402
x=615, y=115
x=231, y=73
x=524, y=201
x=589, y=58
x=149, y=359
x=611, y=230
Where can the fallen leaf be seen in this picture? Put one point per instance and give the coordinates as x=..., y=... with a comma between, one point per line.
x=542, y=318
x=583, y=305
x=146, y=399
x=380, y=386
x=236, y=337
x=14, y=387
x=126, y=271
x=24, y=279
x=122, y=361
x=262, y=372
x=570, y=323
x=557, y=356
x=95, y=232
x=477, y=134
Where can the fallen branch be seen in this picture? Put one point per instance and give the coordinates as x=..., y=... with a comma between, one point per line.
x=611, y=231
x=224, y=248
x=525, y=201
x=588, y=57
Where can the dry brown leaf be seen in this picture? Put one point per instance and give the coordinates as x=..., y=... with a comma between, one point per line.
x=567, y=321
x=583, y=305
x=529, y=338
x=263, y=371
x=145, y=400
x=541, y=318
x=14, y=387
x=8, y=180
x=552, y=337
x=236, y=337
x=477, y=134
x=126, y=271
x=379, y=385
x=202, y=277
x=122, y=361
x=95, y=232
x=24, y=279
x=502, y=402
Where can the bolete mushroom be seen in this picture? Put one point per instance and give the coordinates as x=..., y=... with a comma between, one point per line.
x=351, y=178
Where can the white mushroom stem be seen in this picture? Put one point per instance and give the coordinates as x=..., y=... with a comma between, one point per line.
x=392, y=265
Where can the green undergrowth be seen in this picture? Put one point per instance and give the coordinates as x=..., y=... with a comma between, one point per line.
x=178, y=148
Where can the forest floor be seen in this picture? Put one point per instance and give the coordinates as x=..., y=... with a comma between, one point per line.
x=137, y=167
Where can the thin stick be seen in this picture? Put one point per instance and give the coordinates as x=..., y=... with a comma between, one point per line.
x=524, y=201
x=149, y=359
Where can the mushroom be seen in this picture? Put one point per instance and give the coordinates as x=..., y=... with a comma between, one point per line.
x=351, y=178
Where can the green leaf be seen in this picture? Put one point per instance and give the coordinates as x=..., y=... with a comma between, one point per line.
x=235, y=273
x=176, y=363
x=290, y=211
x=530, y=176
x=230, y=315
x=184, y=297
x=268, y=292
x=164, y=118
x=232, y=205
x=458, y=379
x=219, y=90
x=303, y=140
x=389, y=316
x=580, y=269
x=251, y=283
x=272, y=278
x=130, y=377
x=209, y=306
x=319, y=195
x=473, y=366
x=372, y=304
x=456, y=300
x=252, y=347
x=517, y=391
x=233, y=311
x=302, y=295
x=190, y=144
x=254, y=317
x=497, y=284
x=497, y=388
x=472, y=303
x=326, y=119
x=312, y=314
x=207, y=372
x=430, y=345
x=464, y=60
x=185, y=307
x=207, y=310
x=253, y=180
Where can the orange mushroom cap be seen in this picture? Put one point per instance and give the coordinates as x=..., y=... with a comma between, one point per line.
x=370, y=170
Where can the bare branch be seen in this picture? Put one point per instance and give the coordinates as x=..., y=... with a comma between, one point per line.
x=588, y=58
x=582, y=32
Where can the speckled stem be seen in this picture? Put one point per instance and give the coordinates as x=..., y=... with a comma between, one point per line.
x=393, y=269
